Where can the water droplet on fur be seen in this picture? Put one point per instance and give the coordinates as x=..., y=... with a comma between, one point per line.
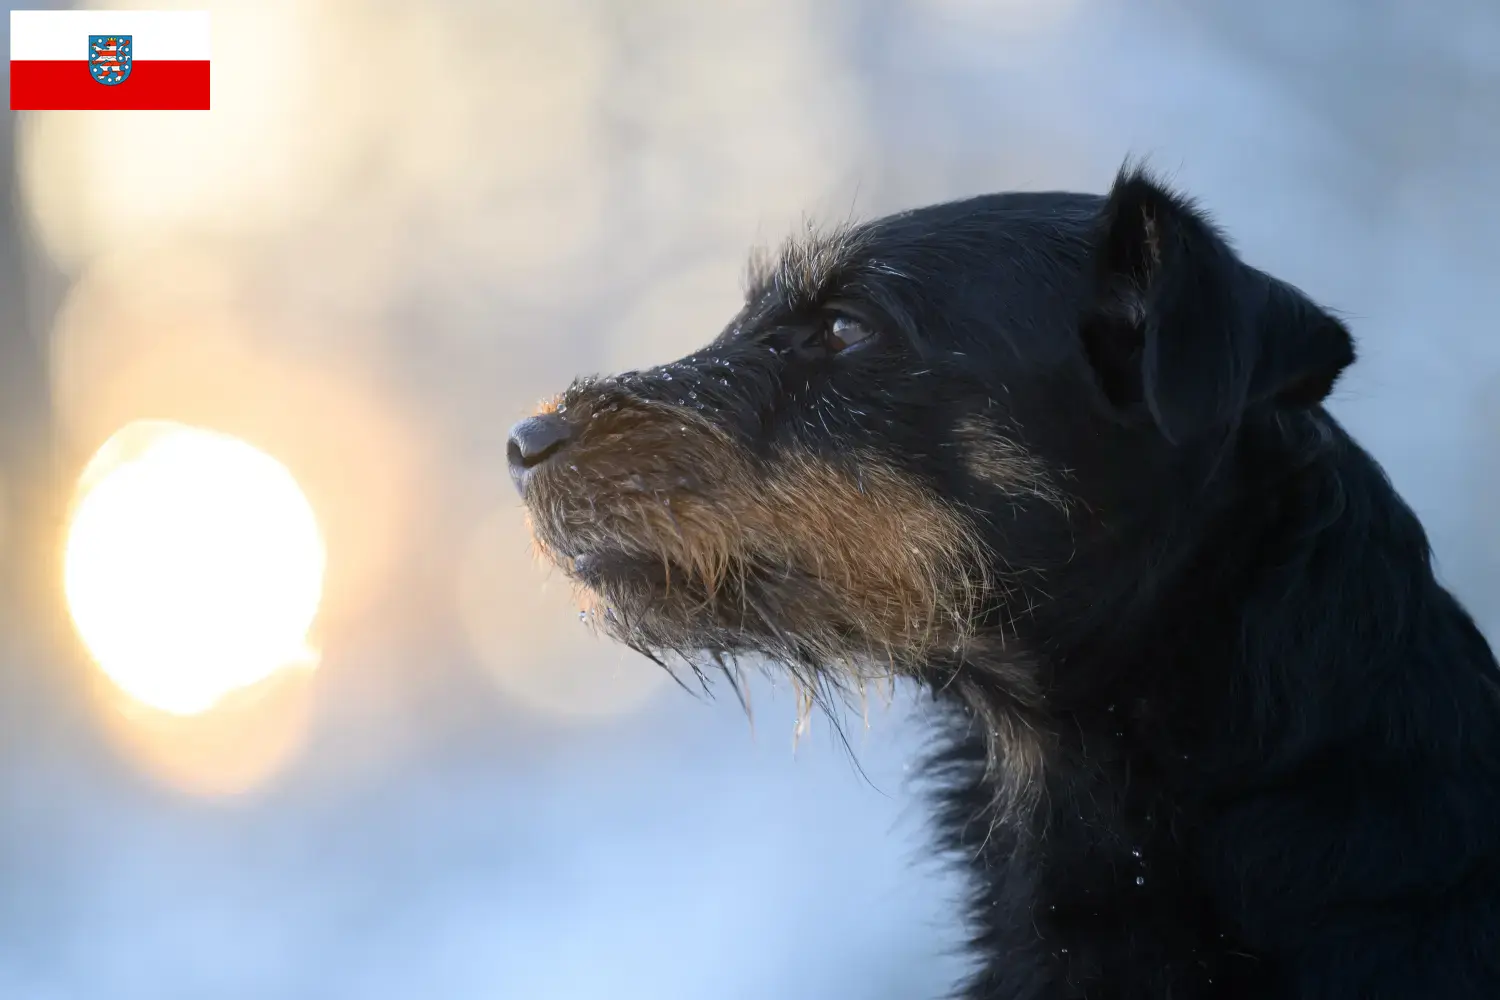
x=583, y=616
x=666, y=377
x=562, y=407
x=683, y=429
x=1064, y=950
x=1140, y=880
x=1135, y=852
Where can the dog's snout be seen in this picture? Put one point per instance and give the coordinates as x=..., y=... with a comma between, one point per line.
x=533, y=441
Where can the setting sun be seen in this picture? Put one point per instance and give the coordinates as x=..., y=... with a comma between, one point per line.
x=193, y=565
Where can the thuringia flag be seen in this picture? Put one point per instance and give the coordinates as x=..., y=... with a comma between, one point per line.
x=83, y=60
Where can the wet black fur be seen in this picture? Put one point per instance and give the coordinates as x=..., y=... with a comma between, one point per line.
x=1227, y=736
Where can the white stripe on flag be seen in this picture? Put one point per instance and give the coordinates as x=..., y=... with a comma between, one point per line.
x=64, y=34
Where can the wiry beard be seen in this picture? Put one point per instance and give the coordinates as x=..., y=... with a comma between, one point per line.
x=696, y=636
x=699, y=544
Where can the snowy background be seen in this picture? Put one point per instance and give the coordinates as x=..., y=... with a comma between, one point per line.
x=400, y=227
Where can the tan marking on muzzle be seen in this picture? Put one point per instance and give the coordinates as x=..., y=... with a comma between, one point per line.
x=894, y=563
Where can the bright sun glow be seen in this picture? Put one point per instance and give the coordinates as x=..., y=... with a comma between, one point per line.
x=194, y=565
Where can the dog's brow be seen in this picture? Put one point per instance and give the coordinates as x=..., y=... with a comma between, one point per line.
x=807, y=267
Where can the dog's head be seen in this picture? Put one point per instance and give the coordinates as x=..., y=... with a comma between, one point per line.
x=913, y=427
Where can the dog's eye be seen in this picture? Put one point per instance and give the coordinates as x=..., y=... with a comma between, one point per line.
x=845, y=333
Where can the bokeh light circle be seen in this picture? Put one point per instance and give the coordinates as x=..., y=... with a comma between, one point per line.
x=193, y=565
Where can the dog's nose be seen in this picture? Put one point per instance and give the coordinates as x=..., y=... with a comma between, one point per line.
x=533, y=441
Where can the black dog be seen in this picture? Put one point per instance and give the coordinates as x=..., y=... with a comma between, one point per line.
x=1213, y=729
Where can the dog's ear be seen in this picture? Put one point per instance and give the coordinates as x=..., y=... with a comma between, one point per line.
x=1180, y=326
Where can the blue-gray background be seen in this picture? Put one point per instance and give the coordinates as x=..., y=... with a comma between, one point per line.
x=478, y=201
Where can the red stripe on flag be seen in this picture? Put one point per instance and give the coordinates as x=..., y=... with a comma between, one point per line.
x=67, y=85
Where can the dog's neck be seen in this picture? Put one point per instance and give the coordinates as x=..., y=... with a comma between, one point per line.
x=1253, y=664
x=1191, y=663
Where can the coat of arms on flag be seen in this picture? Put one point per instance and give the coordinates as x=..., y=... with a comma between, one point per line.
x=109, y=58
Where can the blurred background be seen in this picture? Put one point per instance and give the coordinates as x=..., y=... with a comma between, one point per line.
x=401, y=226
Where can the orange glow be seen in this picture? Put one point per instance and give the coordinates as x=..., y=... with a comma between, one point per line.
x=193, y=566
x=235, y=748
